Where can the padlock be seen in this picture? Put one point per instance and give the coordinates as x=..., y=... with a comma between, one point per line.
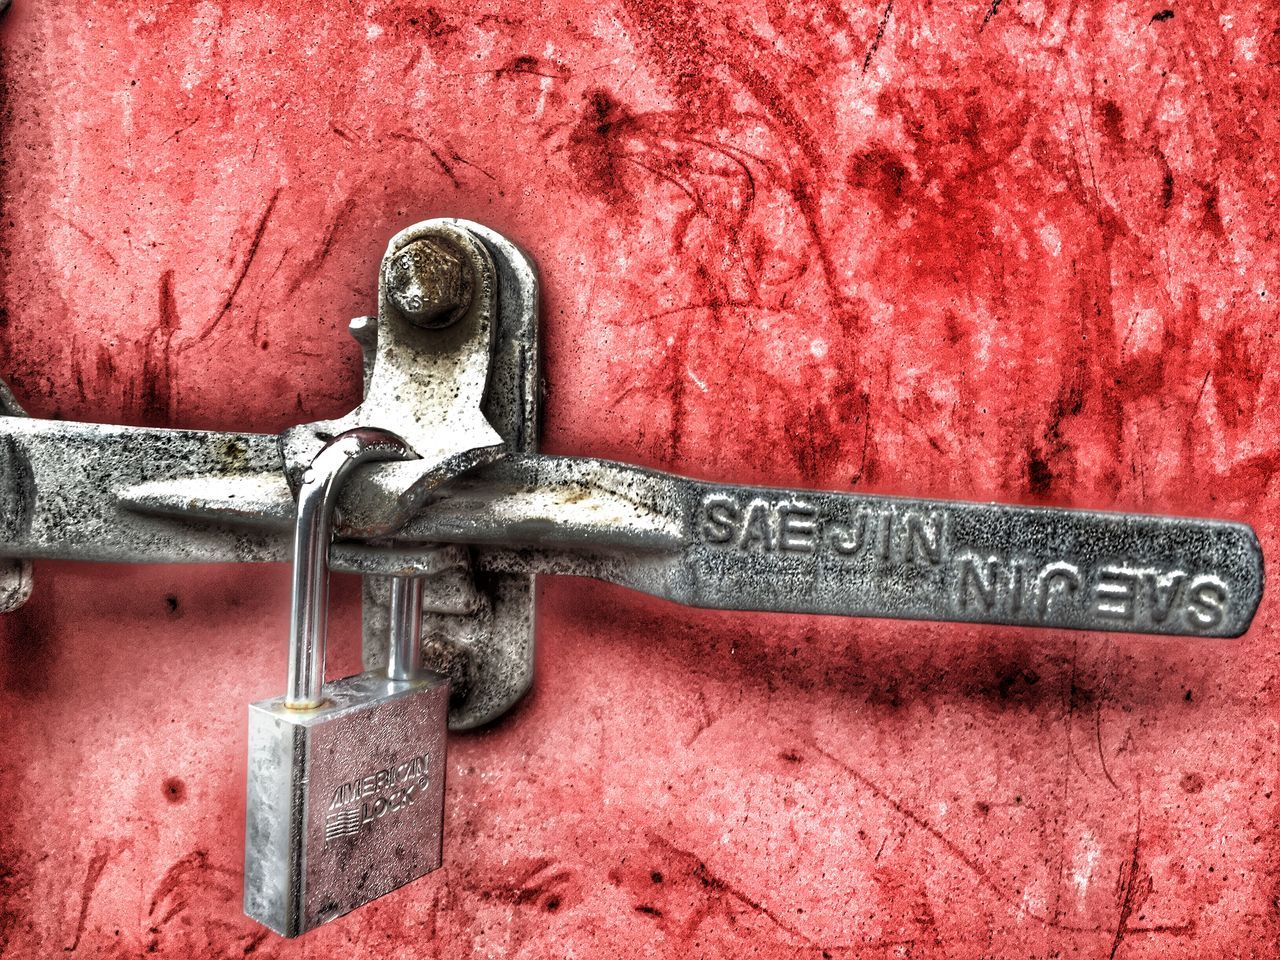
x=345, y=798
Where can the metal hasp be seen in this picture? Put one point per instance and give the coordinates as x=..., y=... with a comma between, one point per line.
x=427, y=360
x=345, y=789
x=477, y=621
x=451, y=362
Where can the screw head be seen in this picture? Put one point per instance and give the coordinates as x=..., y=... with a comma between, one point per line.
x=429, y=283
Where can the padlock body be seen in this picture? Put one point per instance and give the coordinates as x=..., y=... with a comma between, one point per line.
x=345, y=802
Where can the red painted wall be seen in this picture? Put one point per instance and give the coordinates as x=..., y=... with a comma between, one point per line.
x=1023, y=251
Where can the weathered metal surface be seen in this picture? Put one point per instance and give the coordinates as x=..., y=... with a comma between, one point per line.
x=479, y=628
x=718, y=545
x=62, y=480
x=15, y=584
x=429, y=282
x=804, y=551
x=426, y=384
x=15, y=575
x=1018, y=252
x=428, y=380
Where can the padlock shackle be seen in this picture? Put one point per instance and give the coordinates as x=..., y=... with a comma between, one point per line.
x=405, y=615
x=312, y=535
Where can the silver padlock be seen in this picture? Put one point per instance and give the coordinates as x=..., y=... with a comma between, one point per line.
x=346, y=780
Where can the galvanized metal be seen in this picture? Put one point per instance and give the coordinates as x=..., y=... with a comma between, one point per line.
x=429, y=283
x=698, y=543
x=707, y=544
x=750, y=548
x=478, y=626
x=66, y=491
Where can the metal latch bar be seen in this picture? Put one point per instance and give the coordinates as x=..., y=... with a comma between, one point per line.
x=699, y=543
x=480, y=518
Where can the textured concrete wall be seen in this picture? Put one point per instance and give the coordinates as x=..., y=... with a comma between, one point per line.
x=1021, y=250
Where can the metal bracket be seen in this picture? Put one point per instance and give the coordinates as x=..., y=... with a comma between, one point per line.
x=479, y=518
x=478, y=623
x=427, y=360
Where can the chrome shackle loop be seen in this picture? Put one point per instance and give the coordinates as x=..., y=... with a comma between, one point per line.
x=312, y=536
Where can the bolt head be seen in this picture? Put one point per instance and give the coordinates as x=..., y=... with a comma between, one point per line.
x=430, y=283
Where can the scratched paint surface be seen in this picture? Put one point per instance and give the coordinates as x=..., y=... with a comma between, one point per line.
x=1018, y=251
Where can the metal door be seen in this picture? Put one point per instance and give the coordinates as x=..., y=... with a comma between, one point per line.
x=1017, y=251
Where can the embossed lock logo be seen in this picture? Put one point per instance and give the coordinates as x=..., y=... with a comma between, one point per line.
x=362, y=802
